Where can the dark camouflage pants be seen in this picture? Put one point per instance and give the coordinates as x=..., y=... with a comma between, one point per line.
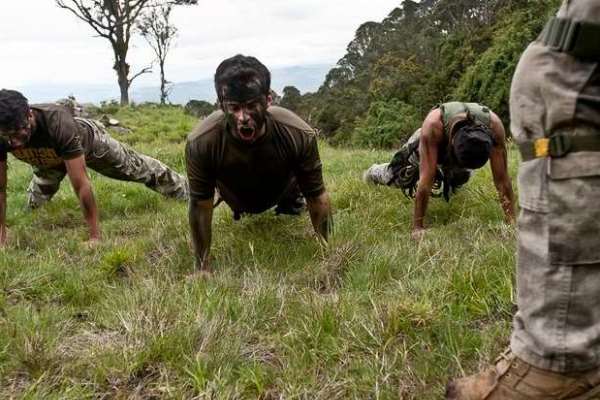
x=115, y=160
x=403, y=172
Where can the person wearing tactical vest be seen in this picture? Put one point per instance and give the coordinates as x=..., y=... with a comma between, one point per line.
x=438, y=158
x=56, y=144
x=555, y=119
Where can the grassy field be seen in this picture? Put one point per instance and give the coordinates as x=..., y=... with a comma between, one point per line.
x=373, y=316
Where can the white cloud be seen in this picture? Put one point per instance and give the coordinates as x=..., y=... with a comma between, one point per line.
x=42, y=43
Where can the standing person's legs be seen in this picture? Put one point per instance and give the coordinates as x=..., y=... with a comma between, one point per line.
x=555, y=349
x=44, y=184
x=557, y=326
x=118, y=161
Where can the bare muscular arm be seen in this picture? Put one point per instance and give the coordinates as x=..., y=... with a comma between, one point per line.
x=83, y=188
x=319, y=209
x=200, y=215
x=499, y=167
x=431, y=133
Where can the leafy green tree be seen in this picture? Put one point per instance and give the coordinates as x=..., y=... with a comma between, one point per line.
x=291, y=98
x=488, y=79
x=421, y=54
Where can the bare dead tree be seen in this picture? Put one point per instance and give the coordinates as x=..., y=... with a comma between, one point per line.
x=114, y=20
x=155, y=26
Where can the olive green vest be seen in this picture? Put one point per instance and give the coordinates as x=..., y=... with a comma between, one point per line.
x=455, y=111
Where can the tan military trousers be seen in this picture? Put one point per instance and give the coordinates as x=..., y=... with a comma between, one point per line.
x=111, y=158
x=557, y=326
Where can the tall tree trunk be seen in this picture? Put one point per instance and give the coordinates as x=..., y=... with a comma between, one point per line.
x=121, y=67
x=123, y=83
x=163, y=83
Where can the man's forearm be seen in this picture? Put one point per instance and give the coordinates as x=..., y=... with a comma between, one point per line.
x=320, y=215
x=507, y=201
x=421, y=200
x=90, y=211
x=83, y=188
x=200, y=217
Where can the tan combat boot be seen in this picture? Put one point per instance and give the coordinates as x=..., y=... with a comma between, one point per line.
x=514, y=379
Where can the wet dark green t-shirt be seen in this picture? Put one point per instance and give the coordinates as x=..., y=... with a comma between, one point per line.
x=57, y=137
x=253, y=177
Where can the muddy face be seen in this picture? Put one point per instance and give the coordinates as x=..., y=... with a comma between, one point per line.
x=247, y=118
x=18, y=138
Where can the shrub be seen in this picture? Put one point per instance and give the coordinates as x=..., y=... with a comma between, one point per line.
x=109, y=107
x=199, y=108
x=387, y=124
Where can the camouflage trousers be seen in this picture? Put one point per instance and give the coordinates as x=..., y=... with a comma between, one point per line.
x=111, y=158
x=557, y=326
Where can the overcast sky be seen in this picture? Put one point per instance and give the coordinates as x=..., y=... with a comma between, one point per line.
x=41, y=43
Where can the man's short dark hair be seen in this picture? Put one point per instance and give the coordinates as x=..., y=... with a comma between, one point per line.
x=472, y=144
x=14, y=109
x=241, y=70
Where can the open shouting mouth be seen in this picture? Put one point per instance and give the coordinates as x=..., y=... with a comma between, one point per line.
x=246, y=133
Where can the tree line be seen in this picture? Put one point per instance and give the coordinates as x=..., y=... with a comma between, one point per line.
x=394, y=71
x=422, y=54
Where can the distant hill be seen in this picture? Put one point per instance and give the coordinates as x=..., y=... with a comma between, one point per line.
x=307, y=78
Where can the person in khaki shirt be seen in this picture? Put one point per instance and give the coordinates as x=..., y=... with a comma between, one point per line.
x=555, y=120
x=256, y=155
x=56, y=145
